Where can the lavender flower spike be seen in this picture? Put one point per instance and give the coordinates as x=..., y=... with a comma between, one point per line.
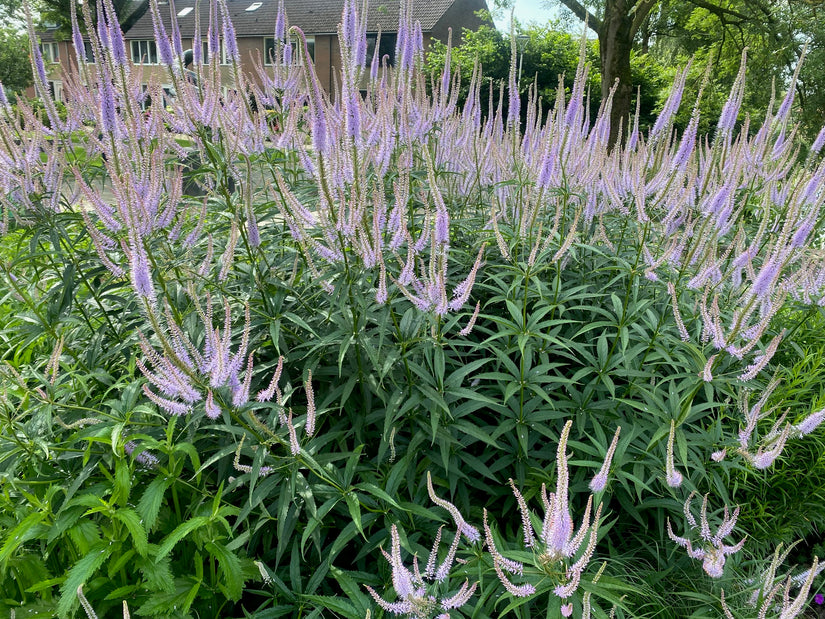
x=410, y=586
x=310, y=422
x=810, y=423
x=469, y=531
x=599, y=481
x=672, y=476
x=712, y=552
x=727, y=119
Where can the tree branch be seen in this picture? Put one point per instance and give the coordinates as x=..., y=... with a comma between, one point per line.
x=642, y=10
x=593, y=22
x=720, y=11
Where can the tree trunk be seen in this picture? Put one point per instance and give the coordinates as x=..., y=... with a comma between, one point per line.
x=615, y=44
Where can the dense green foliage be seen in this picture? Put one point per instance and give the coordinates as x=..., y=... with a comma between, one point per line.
x=247, y=348
x=15, y=72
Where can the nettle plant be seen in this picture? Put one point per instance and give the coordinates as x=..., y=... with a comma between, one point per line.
x=258, y=333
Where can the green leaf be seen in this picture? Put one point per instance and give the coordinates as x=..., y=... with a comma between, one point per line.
x=80, y=574
x=230, y=569
x=354, y=506
x=178, y=534
x=122, y=482
x=149, y=505
x=134, y=524
x=374, y=490
x=28, y=529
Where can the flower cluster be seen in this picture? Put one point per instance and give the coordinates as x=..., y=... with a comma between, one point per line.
x=713, y=550
x=559, y=549
x=764, y=597
x=416, y=599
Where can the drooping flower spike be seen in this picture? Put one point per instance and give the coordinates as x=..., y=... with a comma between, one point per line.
x=556, y=546
x=712, y=551
x=469, y=531
x=419, y=594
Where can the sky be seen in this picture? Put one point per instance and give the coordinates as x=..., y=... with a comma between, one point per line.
x=526, y=11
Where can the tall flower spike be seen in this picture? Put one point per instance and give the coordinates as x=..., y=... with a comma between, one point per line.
x=272, y=389
x=529, y=536
x=469, y=531
x=514, y=567
x=310, y=423
x=672, y=476
x=468, y=328
x=557, y=529
x=599, y=481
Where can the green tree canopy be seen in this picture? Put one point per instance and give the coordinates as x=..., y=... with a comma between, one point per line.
x=15, y=70
x=546, y=52
x=717, y=30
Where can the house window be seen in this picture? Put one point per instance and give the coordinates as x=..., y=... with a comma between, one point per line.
x=269, y=49
x=205, y=53
x=144, y=52
x=385, y=48
x=56, y=89
x=50, y=52
x=88, y=52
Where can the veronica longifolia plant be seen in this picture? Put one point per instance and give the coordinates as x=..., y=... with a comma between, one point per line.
x=259, y=186
x=712, y=550
x=559, y=551
x=418, y=591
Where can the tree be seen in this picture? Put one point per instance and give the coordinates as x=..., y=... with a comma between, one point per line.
x=15, y=70
x=545, y=53
x=9, y=9
x=620, y=24
x=775, y=46
x=59, y=12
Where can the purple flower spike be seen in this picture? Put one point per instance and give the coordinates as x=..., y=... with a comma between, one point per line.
x=115, y=34
x=600, y=479
x=469, y=531
x=213, y=411
x=819, y=141
x=672, y=476
x=727, y=119
x=141, y=273
x=280, y=22
x=229, y=40
x=164, y=48
x=411, y=588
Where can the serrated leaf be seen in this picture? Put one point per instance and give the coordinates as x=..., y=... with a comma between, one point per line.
x=178, y=534
x=79, y=574
x=134, y=524
x=230, y=569
x=149, y=505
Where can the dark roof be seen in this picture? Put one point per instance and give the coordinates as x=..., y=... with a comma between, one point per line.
x=311, y=16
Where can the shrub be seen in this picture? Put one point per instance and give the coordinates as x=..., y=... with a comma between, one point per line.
x=293, y=334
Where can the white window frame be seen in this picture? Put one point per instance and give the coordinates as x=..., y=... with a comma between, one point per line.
x=206, y=53
x=56, y=89
x=50, y=51
x=297, y=55
x=88, y=52
x=144, y=51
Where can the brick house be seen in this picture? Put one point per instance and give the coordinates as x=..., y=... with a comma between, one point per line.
x=254, y=22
